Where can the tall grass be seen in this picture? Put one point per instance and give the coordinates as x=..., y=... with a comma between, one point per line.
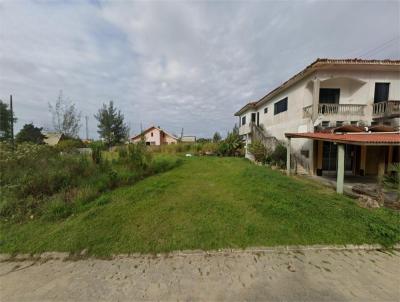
x=38, y=180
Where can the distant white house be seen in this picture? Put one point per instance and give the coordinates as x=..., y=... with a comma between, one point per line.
x=155, y=136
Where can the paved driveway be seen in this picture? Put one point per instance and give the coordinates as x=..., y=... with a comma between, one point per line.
x=315, y=275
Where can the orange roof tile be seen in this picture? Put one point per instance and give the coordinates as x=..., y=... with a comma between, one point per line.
x=375, y=138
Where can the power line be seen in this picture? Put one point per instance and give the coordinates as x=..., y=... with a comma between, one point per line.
x=380, y=47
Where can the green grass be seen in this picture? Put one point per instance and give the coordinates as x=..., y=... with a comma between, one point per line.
x=207, y=203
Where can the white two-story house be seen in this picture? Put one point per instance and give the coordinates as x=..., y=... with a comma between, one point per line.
x=327, y=94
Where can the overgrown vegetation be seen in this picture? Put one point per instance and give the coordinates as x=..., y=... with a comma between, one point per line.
x=391, y=180
x=268, y=155
x=205, y=203
x=38, y=180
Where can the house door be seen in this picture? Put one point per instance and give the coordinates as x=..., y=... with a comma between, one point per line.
x=328, y=96
x=253, y=118
x=329, y=157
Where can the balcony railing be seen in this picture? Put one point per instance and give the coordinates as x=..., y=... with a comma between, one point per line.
x=386, y=109
x=244, y=129
x=335, y=109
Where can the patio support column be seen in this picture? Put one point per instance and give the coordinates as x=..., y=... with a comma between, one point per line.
x=288, y=147
x=340, y=169
x=315, y=103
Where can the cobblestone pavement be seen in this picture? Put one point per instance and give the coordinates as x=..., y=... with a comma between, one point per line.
x=310, y=275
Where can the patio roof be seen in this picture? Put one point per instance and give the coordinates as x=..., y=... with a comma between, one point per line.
x=358, y=138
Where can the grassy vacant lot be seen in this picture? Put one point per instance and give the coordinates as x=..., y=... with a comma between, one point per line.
x=207, y=203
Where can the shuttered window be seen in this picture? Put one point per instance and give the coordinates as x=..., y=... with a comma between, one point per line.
x=281, y=106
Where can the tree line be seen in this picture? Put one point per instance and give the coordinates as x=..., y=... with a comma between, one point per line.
x=66, y=119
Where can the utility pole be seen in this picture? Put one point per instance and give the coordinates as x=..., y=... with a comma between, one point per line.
x=181, y=133
x=12, y=122
x=141, y=128
x=87, y=127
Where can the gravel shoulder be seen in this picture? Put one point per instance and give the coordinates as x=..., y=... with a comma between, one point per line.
x=309, y=275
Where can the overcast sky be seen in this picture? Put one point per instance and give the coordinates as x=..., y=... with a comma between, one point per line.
x=176, y=64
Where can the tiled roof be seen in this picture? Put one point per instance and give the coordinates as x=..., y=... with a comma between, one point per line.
x=317, y=63
x=151, y=128
x=245, y=107
x=358, y=138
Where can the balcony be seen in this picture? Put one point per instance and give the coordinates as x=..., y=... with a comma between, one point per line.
x=245, y=129
x=335, y=110
x=387, y=109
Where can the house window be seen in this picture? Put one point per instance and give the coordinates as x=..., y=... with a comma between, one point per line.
x=381, y=92
x=243, y=120
x=265, y=110
x=354, y=123
x=325, y=124
x=329, y=95
x=151, y=134
x=339, y=123
x=281, y=106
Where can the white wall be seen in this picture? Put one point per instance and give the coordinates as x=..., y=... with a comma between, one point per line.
x=153, y=140
x=356, y=87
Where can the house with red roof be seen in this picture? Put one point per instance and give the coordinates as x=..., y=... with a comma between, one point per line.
x=332, y=104
x=155, y=136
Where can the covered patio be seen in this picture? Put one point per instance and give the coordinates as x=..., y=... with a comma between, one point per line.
x=371, y=154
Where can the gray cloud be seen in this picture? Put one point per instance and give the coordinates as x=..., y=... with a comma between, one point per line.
x=176, y=64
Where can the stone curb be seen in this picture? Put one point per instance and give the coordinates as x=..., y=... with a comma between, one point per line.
x=252, y=250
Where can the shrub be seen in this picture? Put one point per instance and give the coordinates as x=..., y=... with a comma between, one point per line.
x=69, y=145
x=122, y=152
x=259, y=151
x=231, y=146
x=391, y=180
x=96, y=154
x=139, y=157
x=86, y=194
x=209, y=147
x=278, y=156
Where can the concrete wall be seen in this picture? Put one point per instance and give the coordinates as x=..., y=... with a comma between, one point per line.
x=152, y=136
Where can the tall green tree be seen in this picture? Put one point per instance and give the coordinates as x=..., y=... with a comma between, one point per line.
x=111, y=125
x=66, y=117
x=5, y=121
x=30, y=133
x=217, y=137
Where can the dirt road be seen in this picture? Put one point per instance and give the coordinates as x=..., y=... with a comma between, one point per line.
x=313, y=275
